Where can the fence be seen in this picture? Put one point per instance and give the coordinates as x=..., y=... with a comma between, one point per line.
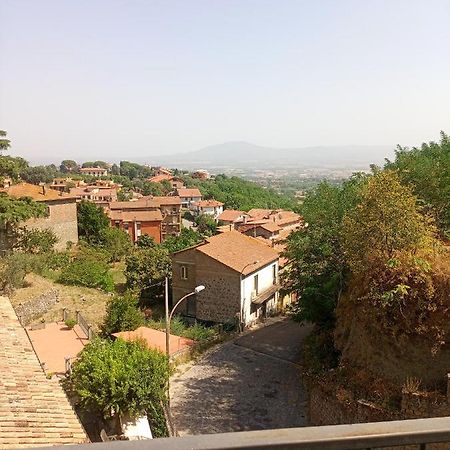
x=81, y=321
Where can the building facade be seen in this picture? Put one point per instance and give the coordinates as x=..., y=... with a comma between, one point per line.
x=170, y=207
x=188, y=196
x=211, y=208
x=94, y=171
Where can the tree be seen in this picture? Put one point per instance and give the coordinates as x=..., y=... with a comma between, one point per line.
x=386, y=221
x=206, y=225
x=13, y=210
x=101, y=164
x=122, y=314
x=12, y=167
x=38, y=174
x=187, y=238
x=68, y=165
x=118, y=377
x=88, y=164
x=145, y=241
x=92, y=222
x=146, y=267
x=35, y=241
x=4, y=143
x=116, y=242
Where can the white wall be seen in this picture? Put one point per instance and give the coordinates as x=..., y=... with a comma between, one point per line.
x=265, y=281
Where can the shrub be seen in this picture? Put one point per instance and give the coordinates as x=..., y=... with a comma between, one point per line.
x=122, y=314
x=89, y=273
x=35, y=240
x=116, y=243
x=117, y=377
x=70, y=323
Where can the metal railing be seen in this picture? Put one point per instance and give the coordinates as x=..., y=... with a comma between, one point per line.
x=84, y=325
x=418, y=432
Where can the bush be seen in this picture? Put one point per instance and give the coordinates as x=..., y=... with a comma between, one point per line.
x=35, y=240
x=89, y=273
x=179, y=327
x=117, y=377
x=122, y=314
x=70, y=323
x=116, y=243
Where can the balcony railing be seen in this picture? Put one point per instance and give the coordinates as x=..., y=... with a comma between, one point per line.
x=418, y=432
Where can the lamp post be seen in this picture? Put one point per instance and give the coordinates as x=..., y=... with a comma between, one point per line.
x=241, y=326
x=169, y=315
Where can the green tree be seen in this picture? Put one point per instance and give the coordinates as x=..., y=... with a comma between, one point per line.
x=187, y=238
x=206, y=225
x=386, y=221
x=118, y=377
x=68, y=165
x=38, y=174
x=13, y=210
x=116, y=242
x=35, y=241
x=92, y=222
x=122, y=314
x=4, y=143
x=12, y=167
x=145, y=241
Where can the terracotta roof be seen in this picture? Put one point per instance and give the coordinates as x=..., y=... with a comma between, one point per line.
x=270, y=226
x=156, y=339
x=185, y=192
x=208, y=203
x=34, y=411
x=167, y=200
x=230, y=215
x=135, y=216
x=159, y=178
x=35, y=192
x=237, y=250
x=259, y=213
x=142, y=203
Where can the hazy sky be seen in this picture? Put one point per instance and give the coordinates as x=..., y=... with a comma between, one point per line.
x=113, y=79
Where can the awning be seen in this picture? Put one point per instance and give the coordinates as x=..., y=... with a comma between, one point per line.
x=263, y=296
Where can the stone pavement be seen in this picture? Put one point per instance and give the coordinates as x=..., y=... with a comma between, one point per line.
x=251, y=383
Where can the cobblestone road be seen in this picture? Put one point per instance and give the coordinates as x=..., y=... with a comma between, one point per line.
x=252, y=383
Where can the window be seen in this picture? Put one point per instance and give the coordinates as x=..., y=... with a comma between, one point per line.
x=255, y=284
x=184, y=273
x=274, y=273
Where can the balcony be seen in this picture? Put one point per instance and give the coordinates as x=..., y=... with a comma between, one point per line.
x=418, y=433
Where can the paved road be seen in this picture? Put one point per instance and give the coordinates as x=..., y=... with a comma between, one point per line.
x=252, y=383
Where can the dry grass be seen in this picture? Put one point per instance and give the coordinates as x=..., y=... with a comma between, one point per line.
x=91, y=302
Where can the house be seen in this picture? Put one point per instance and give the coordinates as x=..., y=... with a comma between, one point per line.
x=99, y=195
x=175, y=182
x=94, y=171
x=35, y=411
x=240, y=275
x=201, y=174
x=210, y=207
x=162, y=171
x=137, y=218
x=232, y=217
x=62, y=212
x=170, y=207
x=266, y=230
x=188, y=196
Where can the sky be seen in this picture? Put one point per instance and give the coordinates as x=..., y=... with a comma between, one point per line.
x=110, y=79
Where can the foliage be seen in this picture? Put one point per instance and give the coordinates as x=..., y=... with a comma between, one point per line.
x=386, y=221
x=427, y=171
x=87, y=272
x=240, y=194
x=206, y=225
x=116, y=242
x=145, y=241
x=92, y=222
x=13, y=211
x=35, y=240
x=133, y=170
x=70, y=323
x=122, y=314
x=179, y=327
x=68, y=165
x=117, y=377
x=146, y=267
x=4, y=143
x=38, y=174
x=12, y=167
x=186, y=239
x=316, y=270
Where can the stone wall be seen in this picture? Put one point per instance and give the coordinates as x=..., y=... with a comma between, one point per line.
x=328, y=405
x=36, y=307
x=62, y=220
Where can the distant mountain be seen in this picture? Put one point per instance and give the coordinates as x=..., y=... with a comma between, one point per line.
x=238, y=154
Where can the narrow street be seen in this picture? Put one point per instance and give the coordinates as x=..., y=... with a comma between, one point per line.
x=251, y=383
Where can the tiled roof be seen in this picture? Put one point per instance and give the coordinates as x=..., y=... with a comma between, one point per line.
x=167, y=200
x=230, y=215
x=270, y=226
x=208, y=203
x=35, y=192
x=143, y=203
x=156, y=339
x=258, y=213
x=185, y=192
x=159, y=178
x=135, y=216
x=34, y=411
x=237, y=250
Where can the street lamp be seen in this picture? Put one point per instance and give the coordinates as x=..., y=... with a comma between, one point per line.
x=169, y=315
x=241, y=325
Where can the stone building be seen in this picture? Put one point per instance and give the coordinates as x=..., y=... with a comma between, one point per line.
x=62, y=212
x=240, y=274
x=170, y=207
